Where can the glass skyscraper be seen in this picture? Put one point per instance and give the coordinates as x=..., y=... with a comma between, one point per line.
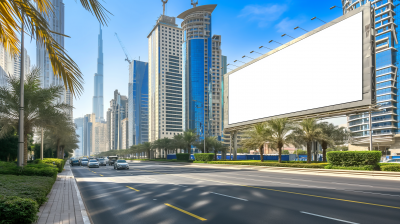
x=202, y=72
x=385, y=125
x=138, y=115
x=98, y=101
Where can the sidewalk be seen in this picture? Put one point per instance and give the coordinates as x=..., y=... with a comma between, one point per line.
x=65, y=205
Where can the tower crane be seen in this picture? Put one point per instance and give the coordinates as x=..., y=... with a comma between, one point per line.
x=123, y=48
x=194, y=3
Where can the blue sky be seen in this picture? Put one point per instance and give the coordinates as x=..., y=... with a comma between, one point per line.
x=243, y=25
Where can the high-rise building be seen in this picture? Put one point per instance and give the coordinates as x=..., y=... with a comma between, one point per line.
x=165, y=79
x=88, y=121
x=125, y=134
x=116, y=113
x=79, y=131
x=98, y=106
x=55, y=20
x=99, y=138
x=11, y=66
x=385, y=125
x=202, y=72
x=138, y=102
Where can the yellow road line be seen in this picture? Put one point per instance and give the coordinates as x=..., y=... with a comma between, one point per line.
x=93, y=172
x=288, y=192
x=101, y=175
x=186, y=212
x=132, y=188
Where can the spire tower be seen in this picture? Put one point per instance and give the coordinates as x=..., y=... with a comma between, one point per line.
x=98, y=106
x=163, y=5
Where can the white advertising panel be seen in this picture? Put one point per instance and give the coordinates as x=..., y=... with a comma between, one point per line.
x=323, y=69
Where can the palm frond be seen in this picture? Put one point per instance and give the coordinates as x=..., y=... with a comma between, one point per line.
x=96, y=8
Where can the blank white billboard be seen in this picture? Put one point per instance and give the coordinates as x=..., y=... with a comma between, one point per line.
x=321, y=70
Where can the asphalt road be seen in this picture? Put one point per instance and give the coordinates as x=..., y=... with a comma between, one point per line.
x=171, y=193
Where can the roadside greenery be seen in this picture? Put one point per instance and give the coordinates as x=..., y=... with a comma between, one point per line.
x=391, y=168
x=277, y=164
x=204, y=157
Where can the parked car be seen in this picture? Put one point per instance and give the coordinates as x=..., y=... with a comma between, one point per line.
x=112, y=159
x=393, y=161
x=84, y=162
x=75, y=162
x=93, y=163
x=121, y=164
x=102, y=162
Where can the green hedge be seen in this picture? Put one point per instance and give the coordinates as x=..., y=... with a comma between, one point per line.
x=354, y=158
x=367, y=167
x=183, y=156
x=297, y=165
x=58, y=162
x=45, y=170
x=18, y=210
x=204, y=156
x=391, y=168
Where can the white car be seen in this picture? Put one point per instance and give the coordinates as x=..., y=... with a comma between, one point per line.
x=93, y=163
x=121, y=164
x=393, y=161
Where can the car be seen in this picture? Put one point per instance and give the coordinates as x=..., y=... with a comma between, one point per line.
x=102, y=162
x=84, y=162
x=121, y=164
x=393, y=161
x=112, y=159
x=93, y=163
x=75, y=162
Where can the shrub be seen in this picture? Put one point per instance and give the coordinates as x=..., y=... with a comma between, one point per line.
x=395, y=168
x=204, y=156
x=285, y=152
x=297, y=165
x=366, y=167
x=45, y=170
x=300, y=152
x=183, y=156
x=58, y=162
x=18, y=210
x=354, y=158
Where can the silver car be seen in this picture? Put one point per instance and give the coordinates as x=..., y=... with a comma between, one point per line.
x=93, y=163
x=392, y=161
x=102, y=162
x=84, y=162
x=121, y=164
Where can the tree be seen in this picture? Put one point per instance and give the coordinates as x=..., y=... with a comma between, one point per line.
x=210, y=141
x=34, y=14
x=146, y=147
x=39, y=105
x=285, y=152
x=304, y=133
x=331, y=135
x=256, y=138
x=189, y=138
x=178, y=143
x=219, y=146
x=163, y=143
x=277, y=134
x=9, y=147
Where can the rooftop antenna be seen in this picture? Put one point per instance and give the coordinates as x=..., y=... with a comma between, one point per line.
x=163, y=5
x=194, y=3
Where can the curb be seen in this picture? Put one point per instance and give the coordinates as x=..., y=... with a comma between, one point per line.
x=85, y=215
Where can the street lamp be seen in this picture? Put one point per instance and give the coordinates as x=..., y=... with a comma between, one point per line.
x=274, y=41
x=297, y=27
x=231, y=64
x=244, y=56
x=255, y=52
x=318, y=19
x=265, y=47
x=335, y=7
x=287, y=35
x=239, y=61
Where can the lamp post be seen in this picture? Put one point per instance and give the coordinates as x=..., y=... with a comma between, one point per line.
x=287, y=35
x=265, y=47
x=21, y=144
x=239, y=61
x=335, y=7
x=318, y=19
x=275, y=42
x=297, y=27
x=244, y=56
x=255, y=52
x=232, y=65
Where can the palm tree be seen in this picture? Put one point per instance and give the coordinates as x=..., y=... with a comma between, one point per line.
x=305, y=132
x=331, y=135
x=256, y=138
x=277, y=133
x=163, y=143
x=39, y=105
x=219, y=146
x=146, y=147
x=35, y=14
x=189, y=138
x=178, y=143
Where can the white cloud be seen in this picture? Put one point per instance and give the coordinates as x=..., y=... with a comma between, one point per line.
x=263, y=14
x=288, y=24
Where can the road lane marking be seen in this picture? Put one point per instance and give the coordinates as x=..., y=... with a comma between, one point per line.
x=229, y=196
x=101, y=175
x=288, y=192
x=186, y=212
x=93, y=172
x=326, y=217
x=132, y=188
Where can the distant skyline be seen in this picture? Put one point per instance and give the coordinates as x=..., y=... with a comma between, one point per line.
x=243, y=26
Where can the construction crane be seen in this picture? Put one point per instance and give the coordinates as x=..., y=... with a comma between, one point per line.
x=123, y=48
x=163, y=5
x=194, y=3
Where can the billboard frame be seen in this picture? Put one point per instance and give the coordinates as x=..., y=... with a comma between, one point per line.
x=368, y=76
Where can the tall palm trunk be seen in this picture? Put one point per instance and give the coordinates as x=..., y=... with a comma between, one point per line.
x=262, y=152
x=308, y=152
x=280, y=155
x=324, y=147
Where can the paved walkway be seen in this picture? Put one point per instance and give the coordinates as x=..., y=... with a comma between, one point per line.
x=64, y=205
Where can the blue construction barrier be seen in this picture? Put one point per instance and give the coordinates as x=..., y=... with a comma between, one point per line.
x=249, y=157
